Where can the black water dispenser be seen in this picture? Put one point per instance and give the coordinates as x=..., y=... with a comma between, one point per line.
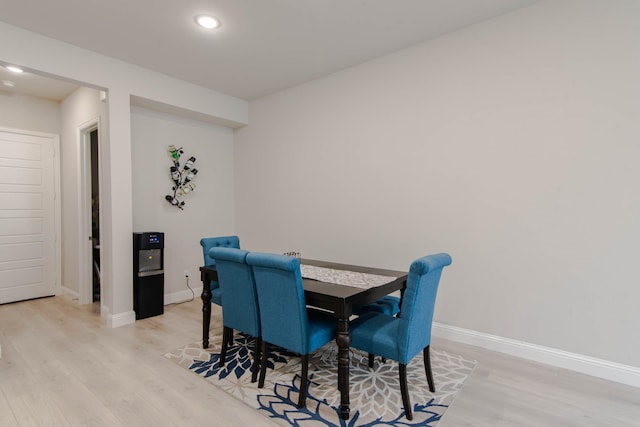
x=148, y=274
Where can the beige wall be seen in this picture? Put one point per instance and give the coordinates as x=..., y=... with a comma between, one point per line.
x=512, y=145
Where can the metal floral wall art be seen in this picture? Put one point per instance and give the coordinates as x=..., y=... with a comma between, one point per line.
x=181, y=177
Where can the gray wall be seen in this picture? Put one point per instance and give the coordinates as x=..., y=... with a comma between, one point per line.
x=512, y=145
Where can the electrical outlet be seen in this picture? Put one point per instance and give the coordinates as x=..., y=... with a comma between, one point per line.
x=186, y=273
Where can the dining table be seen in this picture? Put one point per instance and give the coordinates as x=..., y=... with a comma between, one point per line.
x=335, y=287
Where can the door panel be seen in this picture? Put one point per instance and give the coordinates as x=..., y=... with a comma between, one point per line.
x=27, y=217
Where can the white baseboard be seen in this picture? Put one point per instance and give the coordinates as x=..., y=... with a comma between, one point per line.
x=113, y=321
x=611, y=371
x=120, y=319
x=183, y=296
x=70, y=293
x=127, y=318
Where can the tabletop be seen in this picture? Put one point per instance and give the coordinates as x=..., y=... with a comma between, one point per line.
x=341, y=299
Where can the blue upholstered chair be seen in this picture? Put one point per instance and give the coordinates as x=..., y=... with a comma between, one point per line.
x=387, y=305
x=401, y=338
x=240, y=310
x=216, y=242
x=284, y=318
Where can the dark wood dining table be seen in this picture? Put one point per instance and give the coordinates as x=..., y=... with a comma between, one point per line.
x=341, y=300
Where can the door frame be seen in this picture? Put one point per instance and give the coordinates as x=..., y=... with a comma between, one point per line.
x=85, y=245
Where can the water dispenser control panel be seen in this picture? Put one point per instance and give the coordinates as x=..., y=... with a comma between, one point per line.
x=148, y=240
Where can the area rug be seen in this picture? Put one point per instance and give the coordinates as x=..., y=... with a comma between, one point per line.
x=375, y=393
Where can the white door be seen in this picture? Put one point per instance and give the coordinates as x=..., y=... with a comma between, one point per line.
x=28, y=183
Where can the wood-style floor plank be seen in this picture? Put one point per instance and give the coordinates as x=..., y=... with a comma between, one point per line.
x=61, y=366
x=509, y=391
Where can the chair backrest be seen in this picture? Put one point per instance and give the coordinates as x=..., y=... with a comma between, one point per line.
x=238, y=287
x=215, y=242
x=283, y=310
x=418, y=303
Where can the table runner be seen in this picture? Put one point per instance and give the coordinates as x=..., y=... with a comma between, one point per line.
x=344, y=277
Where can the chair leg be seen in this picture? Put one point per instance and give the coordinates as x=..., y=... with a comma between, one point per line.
x=404, y=391
x=371, y=357
x=302, y=397
x=263, y=365
x=427, y=368
x=256, y=360
x=227, y=335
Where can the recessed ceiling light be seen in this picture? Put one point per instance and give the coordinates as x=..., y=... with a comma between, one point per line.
x=14, y=69
x=207, y=21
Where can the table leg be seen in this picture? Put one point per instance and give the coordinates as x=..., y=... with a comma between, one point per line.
x=206, y=312
x=343, y=339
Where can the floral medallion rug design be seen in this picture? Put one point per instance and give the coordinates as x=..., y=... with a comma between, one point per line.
x=374, y=393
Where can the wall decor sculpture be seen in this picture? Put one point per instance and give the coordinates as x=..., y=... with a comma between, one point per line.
x=181, y=177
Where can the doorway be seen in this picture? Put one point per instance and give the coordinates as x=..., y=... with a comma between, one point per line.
x=95, y=215
x=90, y=250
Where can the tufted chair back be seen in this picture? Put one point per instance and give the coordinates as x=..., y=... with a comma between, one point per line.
x=281, y=300
x=207, y=244
x=217, y=242
x=238, y=287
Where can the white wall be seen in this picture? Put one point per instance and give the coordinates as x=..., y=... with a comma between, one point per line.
x=208, y=211
x=123, y=82
x=29, y=113
x=512, y=145
x=78, y=108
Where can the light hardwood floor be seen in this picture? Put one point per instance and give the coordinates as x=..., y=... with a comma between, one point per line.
x=61, y=366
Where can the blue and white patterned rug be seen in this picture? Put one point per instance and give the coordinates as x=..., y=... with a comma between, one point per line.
x=375, y=394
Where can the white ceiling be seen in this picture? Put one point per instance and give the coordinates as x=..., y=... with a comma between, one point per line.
x=36, y=85
x=262, y=46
